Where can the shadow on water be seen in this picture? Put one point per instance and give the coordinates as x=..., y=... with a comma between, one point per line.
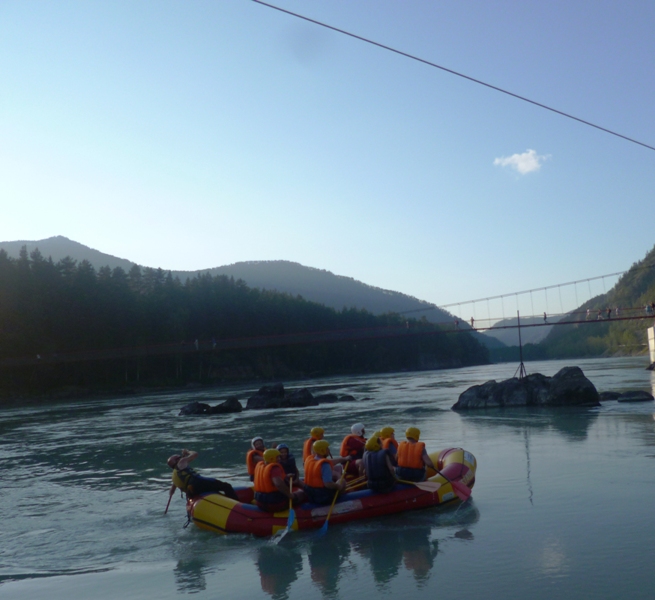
x=387, y=546
x=571, y=422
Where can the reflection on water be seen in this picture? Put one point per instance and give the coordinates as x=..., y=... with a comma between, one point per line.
x=326, y=558
x=278, y=569
x=385, y=547
x=190, y=575
x=572, y=423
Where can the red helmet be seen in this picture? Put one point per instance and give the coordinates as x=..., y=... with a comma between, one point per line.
x=173, y=460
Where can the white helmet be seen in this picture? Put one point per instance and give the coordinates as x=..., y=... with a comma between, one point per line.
x=357, y=429
x=252, y=443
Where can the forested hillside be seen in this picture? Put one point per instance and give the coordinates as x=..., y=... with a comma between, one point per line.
x=64, y=323
x=616, y=335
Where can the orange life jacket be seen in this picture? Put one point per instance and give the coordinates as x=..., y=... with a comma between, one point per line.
x=250, y=463
x=307, y=448
x=264, y=477
x=353, y=445
x=313, y=471
x=411, y=455
x=387, y=442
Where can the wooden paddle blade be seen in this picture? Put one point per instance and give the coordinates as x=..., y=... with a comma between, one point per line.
x=427, y=486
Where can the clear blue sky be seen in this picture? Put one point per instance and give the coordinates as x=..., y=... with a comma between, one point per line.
x=188, y=135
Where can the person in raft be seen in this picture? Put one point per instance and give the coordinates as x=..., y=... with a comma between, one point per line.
x=378, y=466
x=388, y=440
x=412, y=457
x=353, y=445
x=320, y=486
x=272, y=493
x=192, y=484
x=288, y=462
x=314, y=435
x=255, y=455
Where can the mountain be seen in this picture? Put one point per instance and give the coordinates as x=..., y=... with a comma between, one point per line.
x=507, y=332
x=59, y=247
x=622, y=334
x=316, y=285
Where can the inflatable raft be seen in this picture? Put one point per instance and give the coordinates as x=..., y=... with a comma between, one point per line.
x=220, y=514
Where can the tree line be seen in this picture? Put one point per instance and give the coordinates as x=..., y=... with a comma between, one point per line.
x=49, y=309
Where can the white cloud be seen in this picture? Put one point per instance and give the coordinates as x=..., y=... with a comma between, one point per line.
x=524, y=163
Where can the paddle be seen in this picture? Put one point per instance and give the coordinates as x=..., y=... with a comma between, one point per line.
x=169, y=499
x=426, y=486
x=463, y=492
x=323, y=530
x=292, y=515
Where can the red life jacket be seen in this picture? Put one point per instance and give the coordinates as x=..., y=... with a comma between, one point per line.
x=307, y=448
x=353, y=445
x=264, y=477
x=387, y=442
x=313, y=467
x=411, y=455
x=250, y=463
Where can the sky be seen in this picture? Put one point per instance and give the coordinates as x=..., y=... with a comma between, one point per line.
x=189, y=135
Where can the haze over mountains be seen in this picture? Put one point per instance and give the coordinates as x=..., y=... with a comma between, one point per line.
x=317, y=285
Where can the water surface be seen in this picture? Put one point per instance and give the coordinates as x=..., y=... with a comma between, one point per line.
x=562, y=505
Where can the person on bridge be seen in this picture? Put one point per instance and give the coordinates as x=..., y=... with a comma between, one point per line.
x=314, y=435
x=272, y=493
x=412, y=457
x=353, y=446
x=192, y=484
x=320, y=486
x=255, y=455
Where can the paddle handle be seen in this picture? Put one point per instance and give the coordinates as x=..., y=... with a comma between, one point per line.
x=170, y=496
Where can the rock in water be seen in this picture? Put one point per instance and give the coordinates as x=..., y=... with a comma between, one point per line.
x=635, y=397
x=231, y=405
x=568, y=387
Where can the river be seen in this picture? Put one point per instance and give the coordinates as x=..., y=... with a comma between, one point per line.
x=562, y=506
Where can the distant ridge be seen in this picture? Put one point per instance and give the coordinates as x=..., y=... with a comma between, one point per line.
x=59, y=247
x=317, y=285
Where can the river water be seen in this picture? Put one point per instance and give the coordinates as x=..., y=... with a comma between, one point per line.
x=562, y=506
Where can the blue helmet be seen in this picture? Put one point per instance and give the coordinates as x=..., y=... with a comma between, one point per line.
x=281, y=446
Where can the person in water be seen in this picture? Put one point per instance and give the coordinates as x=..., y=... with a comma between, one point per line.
x=288, y=462
x=412, y=457
x=255, y=455
x=320, y=486
x=192, y=484
x=272, y=493
x=388, y=440
x=353, y=445
x=314, y=435
x=378, y=466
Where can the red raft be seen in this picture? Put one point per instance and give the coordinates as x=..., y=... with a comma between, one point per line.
x=217, y=513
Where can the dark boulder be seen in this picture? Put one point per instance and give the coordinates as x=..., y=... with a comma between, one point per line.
x=231, y=405
x=300, y=398
x=274, y=396
x=635, y=397
x=326, y=398
x=348, y=398
x=604, y=396
x=569, y=387
x=195, y=408
x=268, y=396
